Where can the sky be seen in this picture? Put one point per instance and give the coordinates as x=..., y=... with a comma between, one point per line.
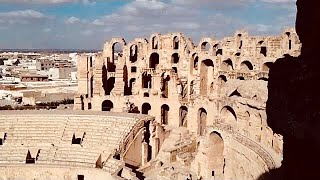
x=88, y=24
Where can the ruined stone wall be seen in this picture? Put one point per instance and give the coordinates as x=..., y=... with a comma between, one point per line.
x=215, y=85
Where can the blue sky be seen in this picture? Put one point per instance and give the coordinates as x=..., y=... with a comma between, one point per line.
x=87, y=24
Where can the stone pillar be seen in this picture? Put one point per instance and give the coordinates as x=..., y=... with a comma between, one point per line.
x=119, y=84
x=144, y=153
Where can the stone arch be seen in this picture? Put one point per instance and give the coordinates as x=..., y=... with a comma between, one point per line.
x=222, y=79
x=266, y=66
x=131, y=85
x=154, y=60
x=107, y=105
x=175, y=58
x=227, y=65
x=176, y=42
x=117, y=50
x=146, y=107
x=133, y=53
x=194, y=63
x=288, y=38
x=91, y=86
x=215, y=155
x=165, y=114
x=246, y=66
x=110, y=85
x=183, y=112
x=262, y=48
x=263, y=79
x=104, y=79
x=165, y=78
x=146, y=80
x=202, y=121
x=217, y=49
x=82, y=102
x=154, y=42
x=126, y=80
x=246, y=116
x=206, y=75
x=228, y=114
x=205, y=46
x=239, y=41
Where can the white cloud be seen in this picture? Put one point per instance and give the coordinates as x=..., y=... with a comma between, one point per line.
x=22, y=17
x=46, y=1
x=72, y=20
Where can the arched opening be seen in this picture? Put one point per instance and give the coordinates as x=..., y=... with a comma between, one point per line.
x=145, y=94
x=154, y=60
x=215, y=156
x=133, y=53
x=262, y=48
x=266, y=66
x=206, y=75
x=107, y=105
x=227, y=65
x=205, y=46
x=146, y=107
x=165, y=85
x=175, y=58
x=91, y=87
x=117, y=51
x=82, y=102
x=131, y=85
x=154, y=43
x=111, y=66
x=246, y=116
x=289, y=40
x=175, y=42
x=222, y=79
x=240, y=78
x=239, y=41
x=183, y=112
x=110, y=85
x=104, y=79
x=195, y=63
x=263, y=79
x=90, y=62
x=246, y=66
x=228, y=114
x=165, y=114
x=202, y=121
x=126, y=81
x=146, y=80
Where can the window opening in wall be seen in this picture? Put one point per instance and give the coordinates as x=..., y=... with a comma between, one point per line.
x=164, y=114
x=29, y=158
x=205, y=46
x=2, y=140
x=77, y=140
x=80, y=177
x=89, y=106
x=145, y=94
x=176, y=43
x=133, y=69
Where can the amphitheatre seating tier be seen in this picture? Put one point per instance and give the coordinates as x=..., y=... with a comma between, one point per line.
x=48, y=136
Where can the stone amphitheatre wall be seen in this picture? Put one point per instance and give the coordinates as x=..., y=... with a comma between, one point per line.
x=70, y=145
x=216, y=90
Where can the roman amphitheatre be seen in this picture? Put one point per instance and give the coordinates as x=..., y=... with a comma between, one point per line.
x=157, y=108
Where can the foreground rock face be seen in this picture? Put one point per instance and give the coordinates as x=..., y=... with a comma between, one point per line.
x=208, y=100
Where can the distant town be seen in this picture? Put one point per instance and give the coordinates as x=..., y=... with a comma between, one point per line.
x=38, y=78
